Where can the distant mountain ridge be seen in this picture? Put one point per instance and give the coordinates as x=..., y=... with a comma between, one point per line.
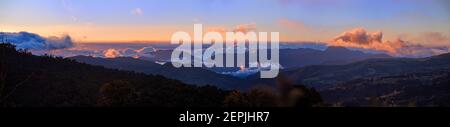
x=293, y=58
x=202, y=76
x=299, y=57
x=323, y=75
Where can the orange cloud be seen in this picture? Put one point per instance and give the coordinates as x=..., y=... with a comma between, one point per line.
x=238, y=28
x=434, y=38
x=359, y=38
x=146, y=52
x=217, y=29
x=111, y=53
x=296, y=25
x=245, y=28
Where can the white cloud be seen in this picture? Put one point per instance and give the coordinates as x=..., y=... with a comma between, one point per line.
x=32, y=41
x=137, y=11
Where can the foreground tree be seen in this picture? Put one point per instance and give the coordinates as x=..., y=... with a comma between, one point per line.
x=287, y=94
x=117, y=93
x=256, y=97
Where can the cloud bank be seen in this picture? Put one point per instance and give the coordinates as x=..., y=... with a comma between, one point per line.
x=244, y=28
x=146, y=52
x=359, y=38
x=31, y=41
x=435, y=38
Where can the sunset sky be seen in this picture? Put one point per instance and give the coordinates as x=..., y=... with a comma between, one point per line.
x=420, y=21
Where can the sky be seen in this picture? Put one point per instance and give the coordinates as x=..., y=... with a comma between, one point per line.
x=425, y=22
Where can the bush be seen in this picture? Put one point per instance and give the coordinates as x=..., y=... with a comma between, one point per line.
x=117, y=93
x=293, y=96
x=256, y=97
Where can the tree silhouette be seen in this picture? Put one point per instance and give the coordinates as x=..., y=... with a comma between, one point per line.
x=117, y=93
x=256, y=97
x=288, y=95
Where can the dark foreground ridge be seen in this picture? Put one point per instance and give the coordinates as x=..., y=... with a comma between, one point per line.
x=46, y=81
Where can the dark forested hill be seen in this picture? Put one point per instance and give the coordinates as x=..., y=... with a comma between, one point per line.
x=198, y=76
x=410, y=89
x=379, y=82
x=28, y=80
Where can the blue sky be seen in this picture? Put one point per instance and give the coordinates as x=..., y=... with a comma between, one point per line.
x=155, y=20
